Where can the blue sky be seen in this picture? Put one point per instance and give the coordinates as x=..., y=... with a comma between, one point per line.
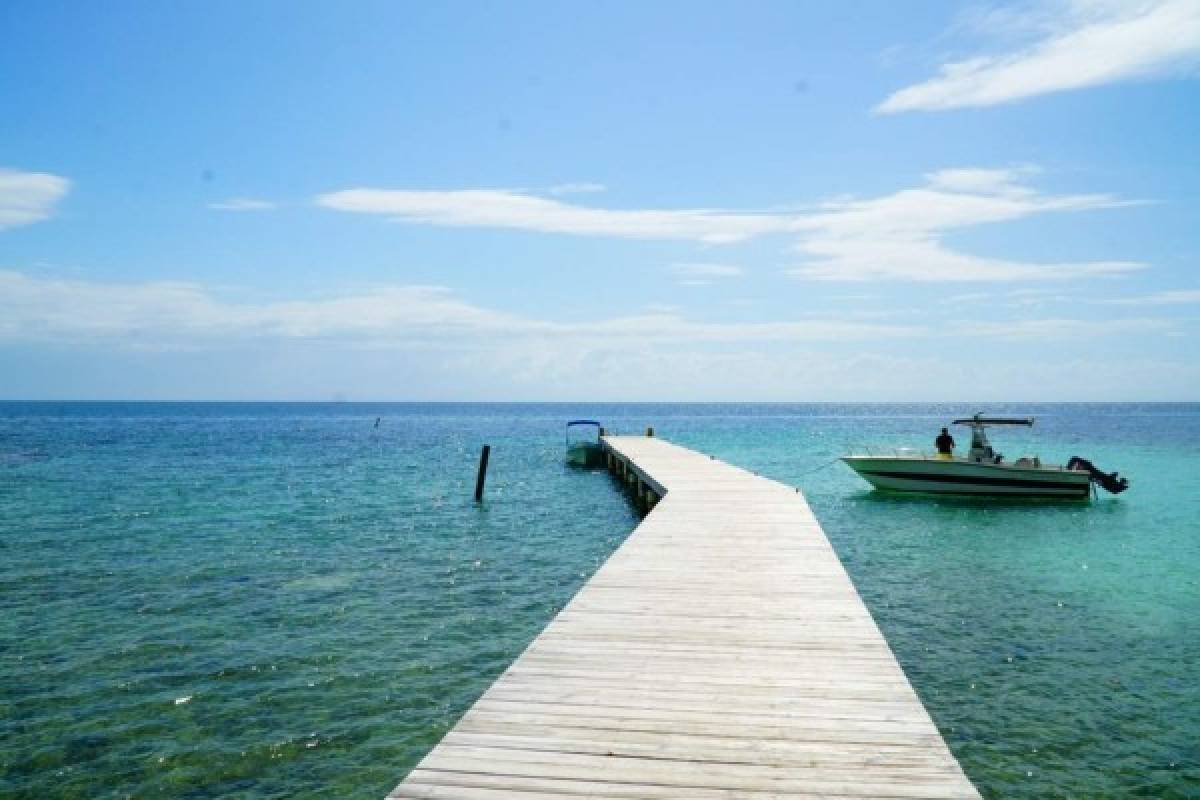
x=569, y=201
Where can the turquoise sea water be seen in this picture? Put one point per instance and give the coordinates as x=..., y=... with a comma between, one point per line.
x=210, y=600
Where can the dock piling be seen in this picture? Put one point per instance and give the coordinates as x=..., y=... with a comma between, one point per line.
x=481, y=476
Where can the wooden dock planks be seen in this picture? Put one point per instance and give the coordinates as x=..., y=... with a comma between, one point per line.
x=721, y=652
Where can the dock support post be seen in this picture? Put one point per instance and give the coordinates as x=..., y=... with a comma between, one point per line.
x=482, y=474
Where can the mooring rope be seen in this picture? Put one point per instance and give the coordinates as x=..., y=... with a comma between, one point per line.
x=828, y=463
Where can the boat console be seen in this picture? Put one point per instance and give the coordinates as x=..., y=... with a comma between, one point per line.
x=981, y=451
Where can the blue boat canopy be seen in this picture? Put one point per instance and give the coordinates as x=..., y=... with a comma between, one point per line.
x=583, y=422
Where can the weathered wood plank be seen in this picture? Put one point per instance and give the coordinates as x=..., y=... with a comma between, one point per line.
x=721, y=652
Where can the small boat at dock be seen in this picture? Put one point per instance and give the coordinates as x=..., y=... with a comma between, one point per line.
x=983, y=471
x=583, y=443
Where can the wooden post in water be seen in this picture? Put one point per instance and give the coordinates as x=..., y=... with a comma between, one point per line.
x=479, y=478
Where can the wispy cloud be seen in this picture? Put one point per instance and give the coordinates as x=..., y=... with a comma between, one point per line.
x=893, y=237
x=242, y=204
x=1170, y=297
x=166, y=314
x=577, y=188
x=75, y=310
x=1049, y=330
x=29, y=197
x=702, y=274
x=1014, y=298
x=899, y=236
x=502, y=208
x=1086, y=43
x=180, y=315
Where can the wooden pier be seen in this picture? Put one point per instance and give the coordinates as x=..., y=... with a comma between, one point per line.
x=721, y=652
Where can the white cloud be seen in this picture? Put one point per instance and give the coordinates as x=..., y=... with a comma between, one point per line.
x=577, y=188
x=1002, y=182
x=242, y=204
x=74, y=310
x=29, y=197
x=899, y=236
x=1170, y=297
x=1013, y=298
x=1048, y=330
x=425, y=341
x=968, y=297
x=169, y=315
x=917, y=257
x=502, y=208
x=893, y=237
x=819, y=374
x=1090, y=43
x=693, y=273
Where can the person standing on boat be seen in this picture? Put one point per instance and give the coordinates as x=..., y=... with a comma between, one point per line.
x=945, y=444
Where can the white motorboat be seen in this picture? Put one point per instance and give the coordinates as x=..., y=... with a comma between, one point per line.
x=983, y=471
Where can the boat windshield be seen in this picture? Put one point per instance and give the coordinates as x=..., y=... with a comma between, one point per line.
x=583, y=430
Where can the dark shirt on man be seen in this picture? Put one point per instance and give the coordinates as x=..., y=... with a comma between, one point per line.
x=944, y=442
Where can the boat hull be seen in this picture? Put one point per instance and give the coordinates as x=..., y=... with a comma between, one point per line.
x=585, y=454
x=961, y=477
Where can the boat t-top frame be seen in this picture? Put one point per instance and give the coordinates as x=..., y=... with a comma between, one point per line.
x=981, y=449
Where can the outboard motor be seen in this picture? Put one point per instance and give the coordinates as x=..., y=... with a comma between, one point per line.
x=1111, y=481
